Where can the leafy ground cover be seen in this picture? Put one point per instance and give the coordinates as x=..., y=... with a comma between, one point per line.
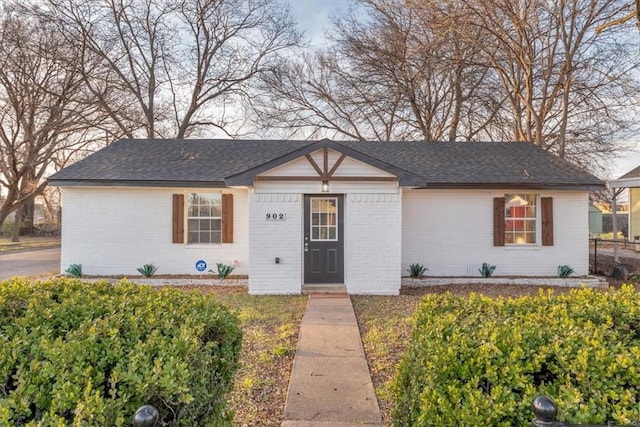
x=386, y=322
x=478, y=360
x=74, y=353
x=270, y=326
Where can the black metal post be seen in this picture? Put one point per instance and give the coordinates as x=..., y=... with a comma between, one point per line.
x=146, y=416
x=545, y=411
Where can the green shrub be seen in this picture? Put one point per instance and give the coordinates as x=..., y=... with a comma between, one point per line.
x=417, y=270
x=564, y=271
x=223, y=270
x=148, y=270
x=486, y=270
x=73, y=353
x=479, y=361
x=74, y=270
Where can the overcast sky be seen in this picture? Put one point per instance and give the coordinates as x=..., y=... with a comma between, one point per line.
x=313, y=15
x=313, y=18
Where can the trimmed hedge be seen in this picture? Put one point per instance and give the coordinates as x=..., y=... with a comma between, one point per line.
x=479, y=361
x=73, y=353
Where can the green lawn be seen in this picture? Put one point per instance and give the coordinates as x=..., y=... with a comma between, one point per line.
x=385, y=326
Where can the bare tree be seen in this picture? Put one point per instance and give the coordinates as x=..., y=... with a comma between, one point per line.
x=531, y=71
x=46, y=116
x=632, y=15
x=395, y=75
x=172, y=68
x=568, y=90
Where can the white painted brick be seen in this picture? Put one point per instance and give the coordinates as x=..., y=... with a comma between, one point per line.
x=368, y=269
x=112, y=231
x=115, y=230
x=271, y=239
x=450, y=231
x=372, y=246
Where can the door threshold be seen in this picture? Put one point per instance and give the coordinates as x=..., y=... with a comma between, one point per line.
x=324, y=288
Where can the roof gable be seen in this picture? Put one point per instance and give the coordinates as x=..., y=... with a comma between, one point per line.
x=630, y=179
x=246, y=177
x=634, y=173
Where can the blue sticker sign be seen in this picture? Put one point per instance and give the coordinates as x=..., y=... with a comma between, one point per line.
x=201, y=265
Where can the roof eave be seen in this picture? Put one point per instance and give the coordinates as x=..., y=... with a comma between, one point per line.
x=134, y=183
x=515, y=186
x=624, y=183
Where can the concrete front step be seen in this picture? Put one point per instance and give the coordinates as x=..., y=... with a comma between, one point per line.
x=324, y=289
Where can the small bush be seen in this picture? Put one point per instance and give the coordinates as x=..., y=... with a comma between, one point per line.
x=417, y=270
x=223, y=270
x=92, y=354
x=479, y=361
x=148, y=270
x=486, y=270
x=74, y=270
x=564, y=271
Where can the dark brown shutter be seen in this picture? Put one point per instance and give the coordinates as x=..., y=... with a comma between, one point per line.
x=227, y=218
x=546, y=206
x=178, y=218
x=498, y=221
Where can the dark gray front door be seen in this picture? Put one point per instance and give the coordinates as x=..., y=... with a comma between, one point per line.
x=323, y=239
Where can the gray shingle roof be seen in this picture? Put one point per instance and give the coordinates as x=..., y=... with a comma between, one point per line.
x=170, y=160
x=633, y=173
x=479, y=163
x=427, y=164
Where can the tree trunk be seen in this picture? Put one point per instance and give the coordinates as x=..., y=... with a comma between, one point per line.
x=17, y=219
x=28, y=216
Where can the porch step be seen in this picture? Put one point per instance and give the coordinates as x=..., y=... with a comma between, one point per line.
x=324, y=289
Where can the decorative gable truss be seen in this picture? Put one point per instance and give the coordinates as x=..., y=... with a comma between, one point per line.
x=324, y=165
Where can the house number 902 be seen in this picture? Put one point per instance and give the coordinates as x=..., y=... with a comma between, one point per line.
x=275, y=216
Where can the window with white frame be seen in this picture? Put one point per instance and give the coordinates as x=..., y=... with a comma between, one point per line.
x=204, y=218
x=324, y=219
x=521, y=219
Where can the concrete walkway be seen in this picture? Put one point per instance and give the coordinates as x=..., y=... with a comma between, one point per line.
x=330, y=383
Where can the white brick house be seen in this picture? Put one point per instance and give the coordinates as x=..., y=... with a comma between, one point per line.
x=296, y=213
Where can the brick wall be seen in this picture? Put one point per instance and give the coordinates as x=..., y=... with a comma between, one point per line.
x=113, y=231
x=373, y=246
x=451, y=233
x=271, y=239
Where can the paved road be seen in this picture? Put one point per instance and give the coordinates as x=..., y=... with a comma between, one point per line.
x=40, y=263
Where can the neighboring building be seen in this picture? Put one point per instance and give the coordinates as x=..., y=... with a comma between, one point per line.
x=295, y=213
x=631, y=180
x=595, y=220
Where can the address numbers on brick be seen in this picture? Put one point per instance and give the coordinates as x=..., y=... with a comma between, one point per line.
x=275, y=216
